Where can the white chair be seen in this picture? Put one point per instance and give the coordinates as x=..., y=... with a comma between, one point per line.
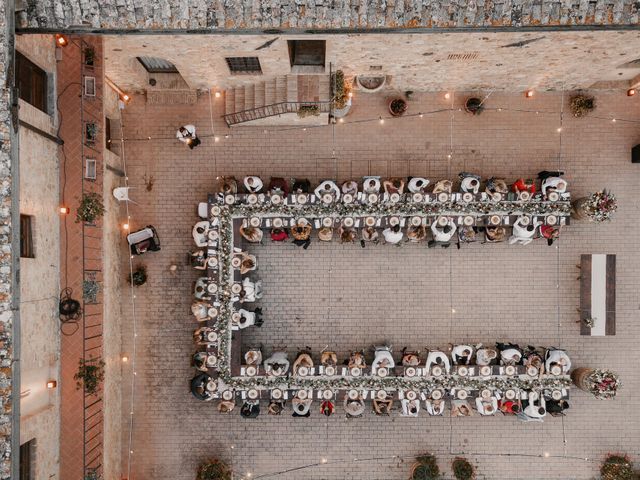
x=122, y=194
x=203, y=210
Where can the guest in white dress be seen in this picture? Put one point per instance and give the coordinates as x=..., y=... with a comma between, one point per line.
x=277, y=365
x=354, y=408
x=371, y=185
x=435, y=407
x=461, y=354
x=187, y=134
x=249, y=318
x=327, y=187
x=442, y=234
x=252, y=184
x=557, y=357
x=418, y=185
x=523, y=234
x=350, y=187
x=383, y=358
x=487, y=407
x=469, y=183
x=393, y=235
x=437, y=358
x=200, y=231
x=410, y=408
x=251, y=291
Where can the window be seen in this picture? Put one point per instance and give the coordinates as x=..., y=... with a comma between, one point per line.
x=32, y=83
x=157, y=65
x=90, y=86
x=307, y=52
x=244, y=65
x=90, y=168
x=27, y=454
x=26, y=236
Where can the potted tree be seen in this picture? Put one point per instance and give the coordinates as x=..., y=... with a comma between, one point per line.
x=397, y=106
x=90, y=209
x=601, y=383
x=139, y=276
x=425, y=468
x=462, y=469
x=90, y=133
x=617, y=467
x=581, y=104
x=597, y=207
x=89, y=375
x=473, y=105
x=341, y=95
x=308, y=111
x=214, y=470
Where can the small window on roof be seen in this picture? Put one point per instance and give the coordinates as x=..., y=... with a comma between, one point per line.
x=157, y=65
x=244, y=64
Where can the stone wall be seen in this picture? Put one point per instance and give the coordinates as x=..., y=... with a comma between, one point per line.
x=322, y=14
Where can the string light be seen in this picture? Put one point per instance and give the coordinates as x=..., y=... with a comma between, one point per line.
x=125, y=226
x=381, y=121
x=421, y=115
x=559, y=129
x=64, y=210
x=529, y=93
x=323, y=460
x=216, y=139
x=51, y=384
x=613, y=120
x=341, y=120
x=217, y=94
x=125, y=359
x=631, y=92
x=447, y=96
x=350, y=94
x=61, y=40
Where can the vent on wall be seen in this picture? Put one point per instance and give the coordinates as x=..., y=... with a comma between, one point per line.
x=463, y=56
x=375, y=67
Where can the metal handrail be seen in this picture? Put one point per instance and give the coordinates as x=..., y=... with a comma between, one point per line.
x=290, y=107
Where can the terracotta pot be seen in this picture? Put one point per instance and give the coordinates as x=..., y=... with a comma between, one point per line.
x=580, y=378
x=577, y=209
x=473, y=105
x=394, y=113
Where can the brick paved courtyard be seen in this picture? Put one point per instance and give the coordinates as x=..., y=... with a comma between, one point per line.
x=347, y=297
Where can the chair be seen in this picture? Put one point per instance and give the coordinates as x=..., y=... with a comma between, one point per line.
x=122, y=194
x=203, y=210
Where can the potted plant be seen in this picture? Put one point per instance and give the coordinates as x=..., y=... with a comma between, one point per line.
x=462, y=469
x=214, y=470
x=90, y=290
x=90, y=209
x=597, y=207
x=617, y=467
x=139, y=276
x=308, y=111
x=89, y=56
x=90, y=374
x=90, y=132
x=473, y=105
x=425, y=468
x=601, y=383
x=341, y=95
x=91, y=474
x=581, y=104
x=397, y=107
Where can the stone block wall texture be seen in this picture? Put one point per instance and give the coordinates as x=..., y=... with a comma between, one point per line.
x=322, y=14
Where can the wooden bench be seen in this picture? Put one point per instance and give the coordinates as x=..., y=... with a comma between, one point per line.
x=598, y=294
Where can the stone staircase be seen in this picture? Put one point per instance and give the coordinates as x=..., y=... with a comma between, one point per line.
x=276, y=101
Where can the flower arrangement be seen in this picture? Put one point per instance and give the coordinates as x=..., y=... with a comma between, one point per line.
x=92, y=474
x=398, y=106
x=139, y=276
x=308, y=111
x=342, y=89
x=590, y=322
x=598, y=207
x=462, y=469
x=601, y=383
x=90, y=209
x=90, y=132
x=581, y=104
x=617, y=467
x=425, y=468
x=90, y=290
x=214, y=470
x=89, y=375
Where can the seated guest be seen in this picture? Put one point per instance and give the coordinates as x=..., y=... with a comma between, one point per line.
x=467, y=234
x=279, y=234
x=523, y=234
x=199, y=260
x=410, y=408
x=327, y=408
x=393, y=185
x=550, y=233
x=302, y=360
x=353, y=408
x=392, y=235
x=486, y=356
x=369, y=234
x=187, y=134
x=495, y=234
x=383, y=358
x=301, y=185
x=251, y=291
x=557, y=407
x=325, y=234
x=462, y=354
x=442, y=235
x=200, y=361
x=200, y=311
x=250, y=409
x=410, y=359
x=522, y=185
x=418, y=185
x=275, y=407
x=356, y=360
x=533, y=358
x=328, y=359
x=469, y=183
x=200, y=290
x=555, y=357
x=200, y=336
x=442, y=186
x=435, y=407
x=440, y=359
x=350, y=188
x=552, y=182
x=371, y=185
x=496, y=185
x=252, y=184
x=382, y=407
x=248, y=318
x=199, y=387
x=509, y=407
x=534, y=407
x=510, y=353
x=277, y=365
x=278, y=186
x=253, y=356
x=301, y=408
x=226, y=406
x=328, y=187
x=200, y=231
x=228, y=185
x=302, y=234
x=347, y=234
x=460, y=408
x=247, y=262
x=488, y=406
x=416, y=234
x=251, y=234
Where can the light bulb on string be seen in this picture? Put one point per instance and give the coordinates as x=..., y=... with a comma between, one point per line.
x=381, y=121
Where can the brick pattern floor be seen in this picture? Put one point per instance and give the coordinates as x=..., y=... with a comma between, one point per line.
x=346, y=297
